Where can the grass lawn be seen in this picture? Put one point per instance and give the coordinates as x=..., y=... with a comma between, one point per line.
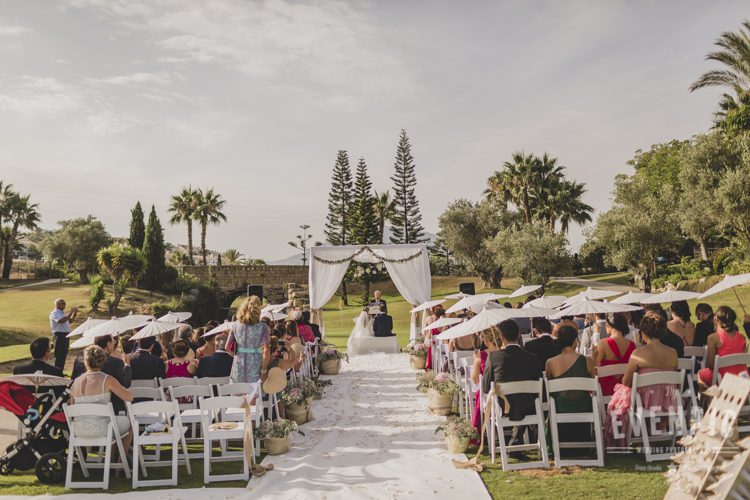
x=618, y=278
x=17, y=282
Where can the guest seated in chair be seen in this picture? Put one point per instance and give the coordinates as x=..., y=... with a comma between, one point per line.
x=382, y=325
x=544, y=345
x=40, y=353
x=145, y=365
x=218, y=364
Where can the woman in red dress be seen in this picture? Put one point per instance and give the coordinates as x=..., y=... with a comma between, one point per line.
x=615, y=349
x=437, y=312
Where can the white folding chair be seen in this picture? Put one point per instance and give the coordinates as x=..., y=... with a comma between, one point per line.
x=211, y=408
x=607, y=371
x=190, y=414
x=77, y=443
x=212, y=382
x=698, y=353
x=253, y=392
x=313, y=349
x=499, y=424
x=589, y=386
x=166, y=383
x=733, y=360
x=468, y=388
x=169, y=414
x=146, y=382
x=643, y=419
x=692, y=408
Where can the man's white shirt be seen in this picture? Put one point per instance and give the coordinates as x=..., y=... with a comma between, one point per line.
x=54, y=317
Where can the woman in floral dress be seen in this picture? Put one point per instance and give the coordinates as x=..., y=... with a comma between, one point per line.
x=252, y=337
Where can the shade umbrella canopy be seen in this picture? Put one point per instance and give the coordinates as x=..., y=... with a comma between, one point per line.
x=224, y=327
x=37, y=379
x=481, y=306
x=632, y=298
x=529, y=311
x=591, y=294
x=467, y=302
x=482, y=321
x=273, y=316
x=155, y=328
x=176, y=317
x=549, y=301
x=276, y=307
x=427, y=305
x=86, y=326
x=459, y=295
x=727, y=283
x=116, y=326
x=524, y=290
x=671, y=296
x=441, y=323
x=593, y=307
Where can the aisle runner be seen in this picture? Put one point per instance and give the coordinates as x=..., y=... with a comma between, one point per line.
x=371, y=438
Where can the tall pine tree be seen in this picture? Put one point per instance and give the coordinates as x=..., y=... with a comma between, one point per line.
x=153, y=250
x=137, y=228
x=406, y=218
x=364, y=223
x=338, y=227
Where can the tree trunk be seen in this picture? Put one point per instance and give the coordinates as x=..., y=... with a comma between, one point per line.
x=8, y=252
x=203, y=244
x=382, y=230
x=526, y=208
x=704, y=250
x=190, y=241
x=344, y=295
x=83, y=275
x=366, y=294
x=647, y=281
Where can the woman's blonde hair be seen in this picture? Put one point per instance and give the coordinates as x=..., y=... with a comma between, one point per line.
x=94, y=357
x=249, y=310
x=492, y=335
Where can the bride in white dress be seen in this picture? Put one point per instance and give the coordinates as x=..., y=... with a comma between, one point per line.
x=362, y=328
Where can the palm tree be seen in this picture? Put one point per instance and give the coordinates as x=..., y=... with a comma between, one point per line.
x=734, y=54
x=384, y=206
x=232, y=256
x=546, y=178
x=179, y=259
x=125, y=265
x=6, y=193
x=514, y=183
x=20, y=214
x=183, y=207
x=568, y=206
x=208, y=211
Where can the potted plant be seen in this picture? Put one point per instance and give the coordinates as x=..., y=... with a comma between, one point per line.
x=424, y=380
x=440, y=394
x=320, y=386
x=297, y=398
x=417, y=351
x=329, y=361
x=458, y=434
x=275, y=433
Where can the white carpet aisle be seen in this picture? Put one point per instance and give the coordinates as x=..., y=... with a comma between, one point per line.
x=371, y=438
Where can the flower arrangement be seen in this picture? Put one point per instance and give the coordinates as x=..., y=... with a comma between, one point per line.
x=329, y=354
x=417, y=348
x=424, y=380
x=443, y=384
x=459, y=428
x=281, y=428
x=299, y=392
x=320, y=386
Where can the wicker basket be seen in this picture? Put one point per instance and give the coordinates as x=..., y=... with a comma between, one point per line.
x=418, y=362
x=298, y=413
x=457, y=445
x=330, y=367
x=439, y=404
x=277, y=446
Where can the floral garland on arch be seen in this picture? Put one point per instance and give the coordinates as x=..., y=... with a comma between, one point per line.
x=364, y=249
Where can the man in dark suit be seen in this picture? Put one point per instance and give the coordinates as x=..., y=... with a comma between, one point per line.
x=40, y=353
x=114, y=366
x=382, y=325
x=512, y=364
x=705, y=326
x=218, y=364
x=544, y=346
x=145, y=365
x=377, y=301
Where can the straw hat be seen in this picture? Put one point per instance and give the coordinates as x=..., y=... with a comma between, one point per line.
x=276, y=381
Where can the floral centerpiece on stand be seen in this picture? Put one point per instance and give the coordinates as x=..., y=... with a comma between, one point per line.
x=417, y=351
x=297, y=398
x=275, y=433
x=329, y=361
x=424, y=379
x=440, y=394
x=458, y=434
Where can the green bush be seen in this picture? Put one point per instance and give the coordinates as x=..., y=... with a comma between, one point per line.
x=686, y=269
x=97, y=291
x=205, y=305
x=186, y=282
x=169, y=280
x=47, y=272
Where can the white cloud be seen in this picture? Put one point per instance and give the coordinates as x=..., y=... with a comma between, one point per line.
x=159, y=78
x=12, y=31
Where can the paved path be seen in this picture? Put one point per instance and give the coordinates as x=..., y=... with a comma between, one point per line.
x=38, y=283
x=601, y=285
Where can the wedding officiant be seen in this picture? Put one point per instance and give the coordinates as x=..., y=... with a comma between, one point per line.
x=377, y=305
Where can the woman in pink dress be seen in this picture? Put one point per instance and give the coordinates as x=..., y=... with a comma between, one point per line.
x=652, y=357
x=725, y=341
x=615, y=349
x=180, y=366
x=491, y=341
x=437, y=313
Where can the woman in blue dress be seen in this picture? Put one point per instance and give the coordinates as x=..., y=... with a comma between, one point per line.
x=252, y=337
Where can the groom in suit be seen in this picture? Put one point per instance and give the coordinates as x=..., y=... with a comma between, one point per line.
x=382, y=325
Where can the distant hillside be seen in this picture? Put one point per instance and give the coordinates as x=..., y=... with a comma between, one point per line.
x=296, y=259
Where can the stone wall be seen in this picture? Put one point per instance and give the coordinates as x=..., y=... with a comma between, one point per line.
x=234, y=277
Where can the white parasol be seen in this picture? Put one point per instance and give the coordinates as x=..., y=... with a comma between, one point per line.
x=275, y=307
x=593, y=307
x=37, y=379
x=224, y=327
x=481, y=306
x=116, y=326
x=441, y=323
x=529, y=311
x=155, y=328
x=590, y=294
x=468, y=301
x=427, y=305
x=549, y=301
x=632, y=298
x=86, y=326
x=175, y=317
x=480, y=322
x=459, y=295
x=524, y=290
x=671, y=296
x=273, y=316
x=727, y=283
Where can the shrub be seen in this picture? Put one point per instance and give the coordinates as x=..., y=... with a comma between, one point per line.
x=169, y=280
x=299, y=392
x=686, y=269
x=459, y=428
x=186, y=282
x=97, y=292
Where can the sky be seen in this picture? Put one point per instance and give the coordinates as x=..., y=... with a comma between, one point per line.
x=107, y=102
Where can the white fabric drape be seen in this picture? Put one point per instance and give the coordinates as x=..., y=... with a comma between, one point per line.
x=412, y=278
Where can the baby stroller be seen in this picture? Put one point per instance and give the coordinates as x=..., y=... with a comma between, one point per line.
x=43, y=447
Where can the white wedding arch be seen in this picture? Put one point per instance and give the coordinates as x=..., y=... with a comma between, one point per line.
x=407, y=265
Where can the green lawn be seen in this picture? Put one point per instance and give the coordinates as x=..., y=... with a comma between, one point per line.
x=17, y=282
x=618, y=278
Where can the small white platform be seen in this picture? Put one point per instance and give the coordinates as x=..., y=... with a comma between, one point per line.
x=369, y=345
